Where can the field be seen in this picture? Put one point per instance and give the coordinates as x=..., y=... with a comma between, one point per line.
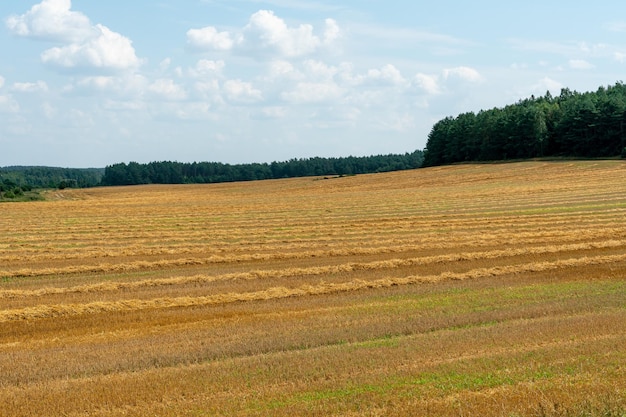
x=467, y=290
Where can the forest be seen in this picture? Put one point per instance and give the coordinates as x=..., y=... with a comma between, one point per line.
x=20, y=182
x=573, y=124
x=168, y=172
x=17, y=181
x=51, y=177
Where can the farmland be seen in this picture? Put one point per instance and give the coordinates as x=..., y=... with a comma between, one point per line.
x=495, y=289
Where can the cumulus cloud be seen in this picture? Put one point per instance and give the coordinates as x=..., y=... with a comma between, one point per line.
x=197, y=111
x=127, y=87
x=39, y=86
x=7, y=103
x=266, y=35
x=109, y=50
x=208, y=91
x=272, y=112
x=206, y=68
x=165, y=64
x=208, y=38
x=462, y=73
x=427, y=83
x=319, y=70
x=270, y=33
x=168, y=89
x=52, y=20
x=207, y=75
x=388, y=74
x=547, y=84
x=312, y=92
x=332, y=31
x=84, y=46
x=283, y=70
x=242, y=92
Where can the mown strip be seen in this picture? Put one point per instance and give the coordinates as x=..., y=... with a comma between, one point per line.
x=66, y=310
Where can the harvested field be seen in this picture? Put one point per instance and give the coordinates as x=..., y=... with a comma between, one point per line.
x=493, y=289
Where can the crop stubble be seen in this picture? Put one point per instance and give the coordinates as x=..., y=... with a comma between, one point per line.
x=476, y=289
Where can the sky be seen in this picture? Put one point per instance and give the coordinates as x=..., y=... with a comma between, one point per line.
x=90, y=83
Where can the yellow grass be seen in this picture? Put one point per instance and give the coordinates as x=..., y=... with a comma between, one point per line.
x=465, y=290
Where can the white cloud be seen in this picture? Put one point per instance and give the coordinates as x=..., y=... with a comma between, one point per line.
x=39, y=86
x=311, y=92
x=283, y=70
x=270, y=112
x=97, y=83
x=547, y=84
x=208, y=39
x=319, y=70
x=49, y=111
x=580, y=64
x=195, y=111
x=385, y=76
x=427, y=83
x=268, y=32
x=165, y=64
x=388, y=74
x=463, y=73
x=207, y=88
x=52, y=20
x=130, y=86
x=332, y=31
x=266, y=35
x=86, y=46
x=125, y=106
x=168, y=90
x=206, y=68
x=242, y=92
x=108, y=51
x=8, y=104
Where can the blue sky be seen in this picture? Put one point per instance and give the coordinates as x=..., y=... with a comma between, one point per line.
x=88, y=83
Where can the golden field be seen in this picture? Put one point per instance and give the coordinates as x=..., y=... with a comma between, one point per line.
x=491, y=290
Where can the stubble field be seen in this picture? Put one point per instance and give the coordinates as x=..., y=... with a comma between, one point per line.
x=466, y=290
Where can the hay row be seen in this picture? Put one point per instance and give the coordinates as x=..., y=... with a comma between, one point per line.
x=312, y=271
x=146, y=226
x=422, y=220
x=69, y=310
x=425, y=241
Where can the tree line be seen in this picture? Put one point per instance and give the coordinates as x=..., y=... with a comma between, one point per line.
x=168, y=172
x=591, y=124
x=15, y=181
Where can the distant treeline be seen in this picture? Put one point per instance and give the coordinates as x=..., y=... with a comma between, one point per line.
x=213, y=172
x=573, y=124
x=49, y=177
